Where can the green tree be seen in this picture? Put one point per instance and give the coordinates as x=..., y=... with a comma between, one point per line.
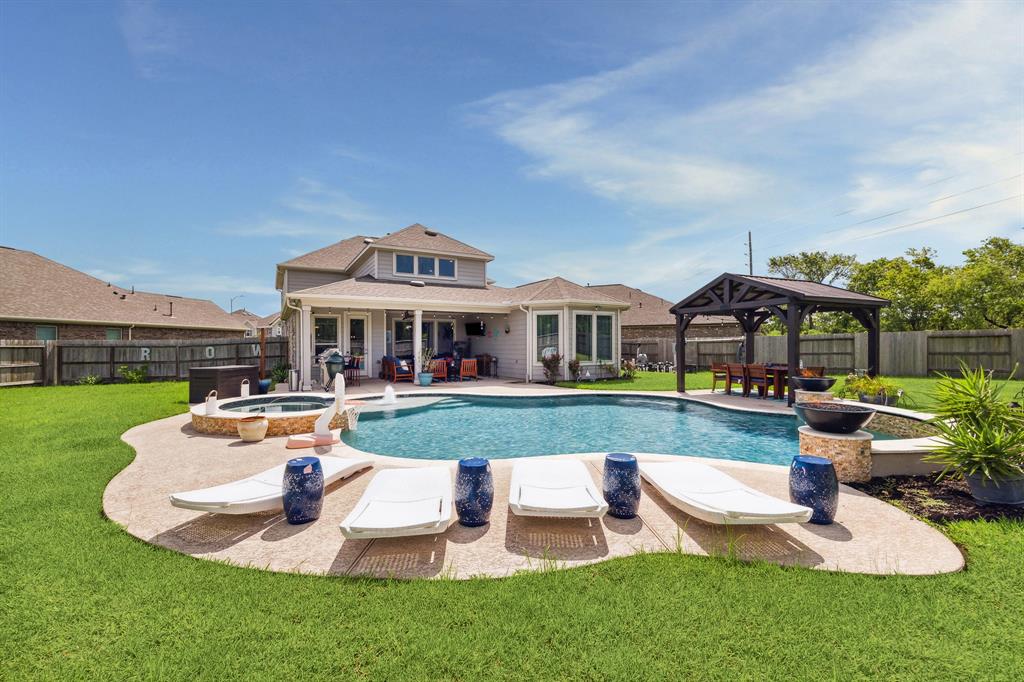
x=814, y=266
x=914, y=285
x=988, y=291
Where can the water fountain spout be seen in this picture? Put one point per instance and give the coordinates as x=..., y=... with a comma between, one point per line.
x=389, y=396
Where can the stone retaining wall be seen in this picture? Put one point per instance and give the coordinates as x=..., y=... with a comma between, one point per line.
x=901, y=427
x=278, y=426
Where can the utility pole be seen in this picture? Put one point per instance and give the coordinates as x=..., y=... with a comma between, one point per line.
x=750, y=253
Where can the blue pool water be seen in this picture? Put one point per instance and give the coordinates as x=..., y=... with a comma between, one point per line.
x=497, y=428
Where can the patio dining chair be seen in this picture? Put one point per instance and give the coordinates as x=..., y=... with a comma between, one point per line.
x=757, y=376
x=718, y=371
x=736, y=374
x=816, y=371
x=439, y=368
x=467, y=370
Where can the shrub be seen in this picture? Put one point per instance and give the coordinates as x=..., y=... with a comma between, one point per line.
x=279, y=373
x=629, y=370
x=874, y=387
x=981, y=434
x=574, y=369
x=552, y=366
x=89, y=380
x=138, y=375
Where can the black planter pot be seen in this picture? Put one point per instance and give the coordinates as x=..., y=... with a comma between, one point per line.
x=834, y=417
x=1003, y=490
x=814, y=383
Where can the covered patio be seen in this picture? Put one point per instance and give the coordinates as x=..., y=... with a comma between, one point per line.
x=753, y=300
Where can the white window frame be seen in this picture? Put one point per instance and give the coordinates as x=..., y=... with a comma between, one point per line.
x=416, y=266
x=593, y=315
x=312, y=332
x=534, y=347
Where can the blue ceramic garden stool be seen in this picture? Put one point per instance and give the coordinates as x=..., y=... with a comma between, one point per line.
x=303, y=489
x=474, y=491
x=813, y=483
x=621, y=485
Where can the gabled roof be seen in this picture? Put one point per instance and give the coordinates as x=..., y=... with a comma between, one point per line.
x=337, y=256
x=269, y=321
x=648, y=310
x=730, y=291
x=557, y=289
x=418, y=237
x=554, y=290
x=34, y=288
x=341, y=256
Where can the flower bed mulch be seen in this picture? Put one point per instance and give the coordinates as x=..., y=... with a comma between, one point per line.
x=942, y=502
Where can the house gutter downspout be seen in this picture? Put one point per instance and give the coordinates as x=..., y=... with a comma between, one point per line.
x=298, y=337
x=529, y=365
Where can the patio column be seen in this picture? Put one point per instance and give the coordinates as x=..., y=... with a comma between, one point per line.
x=417, y=340
x=874, y=342
x=306, y=348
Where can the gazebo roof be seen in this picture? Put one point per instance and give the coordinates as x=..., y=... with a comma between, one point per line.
x=731, y=292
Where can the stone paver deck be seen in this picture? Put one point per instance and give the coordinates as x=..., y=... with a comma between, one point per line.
x=869, y=536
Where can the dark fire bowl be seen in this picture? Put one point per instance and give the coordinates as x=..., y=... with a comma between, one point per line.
x=814, y=383
x=834, y=417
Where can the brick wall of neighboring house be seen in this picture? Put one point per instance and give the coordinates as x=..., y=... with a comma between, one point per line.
x=694, y=331
x=10, y=329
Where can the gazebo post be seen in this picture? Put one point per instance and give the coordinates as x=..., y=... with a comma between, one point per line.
x=748, y=337
x=792, y=345
x=682, y=322
x=874, y=342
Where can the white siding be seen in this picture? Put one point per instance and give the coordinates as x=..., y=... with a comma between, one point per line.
x=306, y=279
x=510, y=348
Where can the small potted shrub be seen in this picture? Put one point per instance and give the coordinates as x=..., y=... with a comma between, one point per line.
x=279, y=375
x=552, y=367
x=574, y=369
x=874, y=390
x=982, y=437
x=425, y=377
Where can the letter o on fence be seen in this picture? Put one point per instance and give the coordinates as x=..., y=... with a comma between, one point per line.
x=210, y=352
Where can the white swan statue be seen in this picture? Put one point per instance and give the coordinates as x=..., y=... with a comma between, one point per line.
x=322, y=427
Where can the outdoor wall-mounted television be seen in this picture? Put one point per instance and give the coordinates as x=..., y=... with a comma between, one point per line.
x=475, y=329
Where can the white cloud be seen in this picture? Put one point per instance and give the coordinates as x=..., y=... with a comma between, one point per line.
x=149, y=33
x=310, y=209
x=926, y=103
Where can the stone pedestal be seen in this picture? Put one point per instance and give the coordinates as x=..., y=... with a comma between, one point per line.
x=814, y=396
x=850, y=452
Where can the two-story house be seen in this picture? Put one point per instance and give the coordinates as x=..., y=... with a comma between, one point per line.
x=416, y=288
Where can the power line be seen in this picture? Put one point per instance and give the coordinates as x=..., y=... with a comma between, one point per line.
x=945, y=215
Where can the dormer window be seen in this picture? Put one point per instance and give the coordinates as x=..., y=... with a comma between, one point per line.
x=404, y=264
x=432, y=267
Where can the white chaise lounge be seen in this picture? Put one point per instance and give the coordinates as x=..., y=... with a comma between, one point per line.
x=559, y=488
x=402, y=502
x=712, y=496
x=262, y=492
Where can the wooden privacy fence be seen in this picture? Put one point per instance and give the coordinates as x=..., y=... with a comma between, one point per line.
x=23, y=363
x=902, y=353
x=166, y=360
x=65, y=362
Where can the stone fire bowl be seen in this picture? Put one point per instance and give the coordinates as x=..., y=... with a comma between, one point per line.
x=832, y=417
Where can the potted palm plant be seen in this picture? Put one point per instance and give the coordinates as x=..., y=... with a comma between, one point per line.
x=426, y=376
x=982, y=436
x=873, y=390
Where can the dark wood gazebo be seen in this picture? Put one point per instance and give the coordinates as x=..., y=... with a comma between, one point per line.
x=753, y=300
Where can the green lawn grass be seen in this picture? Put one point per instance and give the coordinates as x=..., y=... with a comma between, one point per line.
x=81, y=599
x=918, y=390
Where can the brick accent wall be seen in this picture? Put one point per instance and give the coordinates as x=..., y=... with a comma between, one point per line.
x=10, y=329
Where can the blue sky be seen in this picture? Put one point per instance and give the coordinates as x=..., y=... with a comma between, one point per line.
x=187, y=147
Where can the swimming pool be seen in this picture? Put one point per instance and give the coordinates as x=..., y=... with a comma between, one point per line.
x=499, y=428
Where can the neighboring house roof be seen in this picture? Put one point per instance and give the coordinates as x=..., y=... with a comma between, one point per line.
x=554, y=290
x=34, y=288
x=270, y=320
x=648, y=310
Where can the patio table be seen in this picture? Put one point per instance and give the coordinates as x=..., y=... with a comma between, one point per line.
x=779, y=375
